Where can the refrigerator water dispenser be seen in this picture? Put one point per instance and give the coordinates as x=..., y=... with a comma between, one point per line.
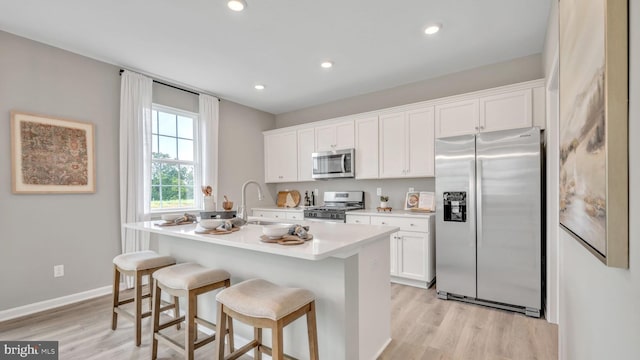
x=455, y=206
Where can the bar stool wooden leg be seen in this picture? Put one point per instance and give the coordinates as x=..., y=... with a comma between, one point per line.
x=229, y=330
x=138, y=307
x=116, y=297
x=276, y=335
x=190, y=329
x=155, y=320
x=257, y=334
x=222, y=324
x=150, y=284
x=176, y=310
x=312, y=331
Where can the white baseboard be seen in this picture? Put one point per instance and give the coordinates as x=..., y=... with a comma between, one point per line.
x=383, y=348
x=53, y=303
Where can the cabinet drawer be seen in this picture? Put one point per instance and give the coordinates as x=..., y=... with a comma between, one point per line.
x=270, y=214
x=405, y=224
x=295, y=215
x=358, y=219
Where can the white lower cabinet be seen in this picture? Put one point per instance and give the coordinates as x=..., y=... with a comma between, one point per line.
x=412, y=249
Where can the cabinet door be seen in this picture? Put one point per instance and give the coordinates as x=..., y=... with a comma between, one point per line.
x=393, y=243
x=325, y=137
x=345, y=138
x=457, y=118
x=367, y=148
x=510, y=110
x=421, y=143
x=306, y=147
x=412, y=249
x=392, y=145
x=269, y=214
x=335, y=136
x=281, y=157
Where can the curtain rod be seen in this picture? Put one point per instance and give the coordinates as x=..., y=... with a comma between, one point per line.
x=173, y=86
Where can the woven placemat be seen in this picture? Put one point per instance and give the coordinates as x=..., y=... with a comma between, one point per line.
x=286, y=239
x=217, y=232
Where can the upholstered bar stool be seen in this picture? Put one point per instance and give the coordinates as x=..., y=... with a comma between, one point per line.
x=262, y=304
x=187, y=280
x=137, y=265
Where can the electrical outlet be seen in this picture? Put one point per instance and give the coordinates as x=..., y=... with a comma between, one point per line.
x=58, y=270
x=411, y=189
x=379, y=191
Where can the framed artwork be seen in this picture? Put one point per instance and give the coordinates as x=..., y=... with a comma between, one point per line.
x=593, y=127
x=420, y=201
x=51, y=155
x=411, y=200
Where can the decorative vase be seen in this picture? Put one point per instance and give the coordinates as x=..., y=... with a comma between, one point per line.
x=383, y=204
x=209, y=203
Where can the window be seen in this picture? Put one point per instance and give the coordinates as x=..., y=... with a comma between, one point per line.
x=175, y=159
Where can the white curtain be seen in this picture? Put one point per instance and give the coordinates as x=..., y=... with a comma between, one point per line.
x=135, y=157
x=209, y=141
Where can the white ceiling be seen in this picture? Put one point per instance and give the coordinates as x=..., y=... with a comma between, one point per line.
x=375, y=44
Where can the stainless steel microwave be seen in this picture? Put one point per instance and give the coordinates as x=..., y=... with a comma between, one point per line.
x=334, y=164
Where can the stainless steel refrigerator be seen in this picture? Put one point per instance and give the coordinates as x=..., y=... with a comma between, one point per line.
x=489, y=227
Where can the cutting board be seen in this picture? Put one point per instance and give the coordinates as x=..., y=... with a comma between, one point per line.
x=288, y=198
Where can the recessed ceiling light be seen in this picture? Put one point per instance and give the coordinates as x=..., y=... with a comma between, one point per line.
x=258, y=87
x=237, y=5
x=432, y=29
x=327, y=64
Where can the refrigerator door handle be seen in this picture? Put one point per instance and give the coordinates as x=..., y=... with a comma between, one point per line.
x=479, y=202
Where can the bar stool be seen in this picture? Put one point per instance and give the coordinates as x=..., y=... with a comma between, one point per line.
x=188, y=280
x=136, y=264
x=262, y=304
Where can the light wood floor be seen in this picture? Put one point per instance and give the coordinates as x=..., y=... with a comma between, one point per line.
x=422, y=327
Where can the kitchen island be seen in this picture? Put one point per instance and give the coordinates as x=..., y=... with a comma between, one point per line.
x=345, y=265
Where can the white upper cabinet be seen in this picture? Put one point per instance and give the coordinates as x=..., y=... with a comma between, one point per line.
x=281, y=157
x=306, y=147
x=457, y=118
x=492, y=112
x=392, y=145
x=407, y=144
x=421, y=143
x=366, y=148
x=335, y=136
x=506, y=111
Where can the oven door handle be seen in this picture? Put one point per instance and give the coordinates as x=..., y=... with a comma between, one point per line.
x=344, y=163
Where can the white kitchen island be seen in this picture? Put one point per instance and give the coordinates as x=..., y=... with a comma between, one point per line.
x=345, y=265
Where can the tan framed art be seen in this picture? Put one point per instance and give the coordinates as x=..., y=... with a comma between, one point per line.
x=594, y=182
x=51, y=155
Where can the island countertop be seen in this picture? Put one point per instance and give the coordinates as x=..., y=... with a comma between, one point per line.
x=329, y=239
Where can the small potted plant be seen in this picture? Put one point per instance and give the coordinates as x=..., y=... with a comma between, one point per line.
x=383, y=201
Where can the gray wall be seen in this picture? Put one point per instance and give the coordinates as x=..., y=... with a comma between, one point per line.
x=242, y=153
x=484, y=77
x=599, y=316
x=39, y=231
x=83, y=231
x=514, y=71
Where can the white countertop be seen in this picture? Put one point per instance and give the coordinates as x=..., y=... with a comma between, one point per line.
x=398, y=213
x=329, y=239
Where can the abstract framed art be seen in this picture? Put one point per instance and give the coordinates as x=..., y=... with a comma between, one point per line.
x=594, y=185
x=51, y=155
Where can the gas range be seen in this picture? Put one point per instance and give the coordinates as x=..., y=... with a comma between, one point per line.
x=336, y=205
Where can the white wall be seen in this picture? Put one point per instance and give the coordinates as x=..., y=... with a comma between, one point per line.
x=83, y=231
x=599, y=306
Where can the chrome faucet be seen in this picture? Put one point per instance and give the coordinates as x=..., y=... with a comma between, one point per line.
x=242, y=212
